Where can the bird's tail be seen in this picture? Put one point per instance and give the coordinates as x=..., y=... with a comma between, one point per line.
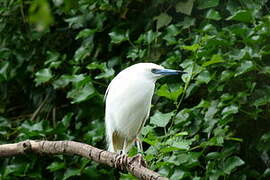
x=117, y=143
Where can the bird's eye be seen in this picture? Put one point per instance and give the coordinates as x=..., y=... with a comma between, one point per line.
x=154, y=70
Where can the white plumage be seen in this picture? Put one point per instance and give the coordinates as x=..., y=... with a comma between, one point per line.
x=128, y=102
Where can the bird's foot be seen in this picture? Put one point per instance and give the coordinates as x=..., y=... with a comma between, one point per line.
x=121, y=161
x=138, y=160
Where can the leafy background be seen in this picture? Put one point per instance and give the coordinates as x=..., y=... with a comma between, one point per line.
x=57, y=58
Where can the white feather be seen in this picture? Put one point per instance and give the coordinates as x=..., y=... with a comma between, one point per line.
x=128, y=101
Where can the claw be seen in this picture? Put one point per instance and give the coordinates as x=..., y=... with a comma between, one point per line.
x=138, y=159
x=120, y=161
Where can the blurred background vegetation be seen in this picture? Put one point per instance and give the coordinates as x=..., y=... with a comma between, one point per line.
x=58, y=56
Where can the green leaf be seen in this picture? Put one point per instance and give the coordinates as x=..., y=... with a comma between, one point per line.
x=213, y=155
x=106, y=72
x=184, y=133
x=232, y=6
x=150, y=36
x=81, y=94
x=213, y=15
x=181, y=145
x=266, y=173
x=127, y=177
x=118, y=36
x=85, y=33
x=214, y=141
x=82, y=52
x=178, y=174
x=133, y=53
x=66, y=119
x=216, y=58
x=62, y=81
x=193, y=47
x=241, y=15
x=105, y=75
x=262, y=100
x=42, y=76
x=55, y=166
x=147, y=129
x=4, y=70
x=165, y=91
x=168, y=149
x=225, y=75
x=232, y=163
x=161, y=119
x=53, y=59
x=40, y=14
x=211, y=111
x=204, y=77
x=203, y=4
x=188, y=22
x=244, y=67
x=163, y=20
x=184, y=7
x=182, y=116
x=232, y=109
x=71, y=172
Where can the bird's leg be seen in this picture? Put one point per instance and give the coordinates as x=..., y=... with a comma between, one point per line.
x=121, y=160
x=138, y=143
x=139, y=157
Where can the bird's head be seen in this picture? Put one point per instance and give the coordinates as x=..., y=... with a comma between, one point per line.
x=153, y=71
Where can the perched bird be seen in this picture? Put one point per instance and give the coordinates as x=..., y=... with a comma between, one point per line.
x=128, y=102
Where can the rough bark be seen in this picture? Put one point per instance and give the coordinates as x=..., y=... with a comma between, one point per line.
x=71, y=147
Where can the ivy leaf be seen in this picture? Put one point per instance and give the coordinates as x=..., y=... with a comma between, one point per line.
x=244, y=67
x=178, y=174
x=150, y=36
x=204, y=77
x=163, y=20
x=193, y=47
x=165, y=91
x=181, y=145
x=232, y=109
x=203, y=4
x=66, y=119
x=184, y=7
x=161, y=119
x=43, y=76
x=106, y=72
x=212, y=14
x=118, y=36
x=62, y=81
x=241, y=15
x=40, y=14
x=81, y=93
x=82, y=52
x=266, y=173
x=4, y=70
x=188, y=22
x=71, y=172
x=216, y=58
x=55, y=166
x=85, y=33
x=232, y=163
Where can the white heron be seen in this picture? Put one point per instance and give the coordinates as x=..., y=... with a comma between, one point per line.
x=128, y=102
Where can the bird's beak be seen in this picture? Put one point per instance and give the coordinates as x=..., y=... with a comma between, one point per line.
x=169, y=72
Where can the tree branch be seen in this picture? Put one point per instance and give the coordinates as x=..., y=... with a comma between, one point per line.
x=81, y=149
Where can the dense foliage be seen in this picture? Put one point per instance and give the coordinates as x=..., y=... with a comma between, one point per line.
x=57, y=58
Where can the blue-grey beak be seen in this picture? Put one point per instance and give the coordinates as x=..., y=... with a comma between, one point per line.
x=167, y=72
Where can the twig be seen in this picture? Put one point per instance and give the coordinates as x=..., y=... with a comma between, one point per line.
x=39, y=108
x=81, y=149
